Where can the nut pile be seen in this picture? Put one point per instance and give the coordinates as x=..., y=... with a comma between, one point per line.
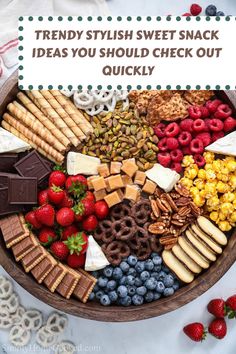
x=120, y=135
x=172, y=213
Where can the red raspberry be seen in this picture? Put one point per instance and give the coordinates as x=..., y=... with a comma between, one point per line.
x=159, y=130
x=216, y=125
x=199, y=160
x=223, y=111
x=172, y=130
x=163, y=145
x=187, y=125
x=195, y=112
x=207, y=122
x=205, y=138
x=229, y=124
x=186, y=150
x=172, y=143
x=196, y=146
x=195, y=9
x=199, y=125
x=176, y=155
x=184, y=138
x=213, y=105
x=217, y=135
x=187, y=14
x=205, y=112
x=176, y=166
x=164, y=158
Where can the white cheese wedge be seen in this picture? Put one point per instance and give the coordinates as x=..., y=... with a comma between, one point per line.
x=10, y=143
x=95, y=258
x=83, y=164
x=163, y=177
x=225, y=145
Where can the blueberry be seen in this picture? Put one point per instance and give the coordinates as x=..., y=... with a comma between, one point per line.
x=92, y=296
x=220, y=13
x=149, y=296
x=124, y=266
x=111, y=285
x=105, y=300
x=211, y=10
x=95, y=274
x=154, y=254
x=150, y=283
x=168, y=280
x=157, y=268
x=160, y=287
x=125, y=301
x=149, y=264
x=140, y=266
x=156, y=296
x=96, y=288
x=131, y=290
x=141, y=290
x=144, y=275
x=157, y=260
x=176, y=285
x=132, y=260
x=138, y=282
x=113, y=296
x=137, y=300
x=161, y=275
x=122, y=291
x=123, y=280
x=102, y=282
x=130, y=280
x=132, y=271
x=165, y=269
x=117, y=273
x=154, y=275
x=99, y=294
x=168, y=292
x=108, y=271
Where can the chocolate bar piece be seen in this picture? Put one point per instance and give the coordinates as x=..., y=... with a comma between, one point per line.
x=13, y=229
x=41, y=270
x=22, y=190
x=7, y=162
x=68, y=283
x=34, y=257
x=5, y=207
x=85, y=286
x=4, y=178
x=22, y=248
x=54, y=278
x=32, y=165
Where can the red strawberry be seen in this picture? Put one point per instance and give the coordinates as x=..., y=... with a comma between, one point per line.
x=90, y=223
x=67, y=201
x=43, y=197
x=76, y=185
x=101, y=209
x=45, y=215
x=217, y=308
x=68, y=231
x=88, y=207
x=65, y=216
x=195, y=331
x=47, y=236
x=31, y=219
x=231, y=306
x=75, y=260
x=59, y=250
x=77, y=243
x=79, y=212
x=90, y=196
x=55, y=195
x=218, y=328
x=57, y=178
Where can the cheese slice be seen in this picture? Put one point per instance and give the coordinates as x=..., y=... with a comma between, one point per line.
x=163, y=177
x=95, y=258
x=225, y=145
x=83, y=164
x=10, y=143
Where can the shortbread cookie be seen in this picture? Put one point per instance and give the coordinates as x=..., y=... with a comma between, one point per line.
x=177, y=267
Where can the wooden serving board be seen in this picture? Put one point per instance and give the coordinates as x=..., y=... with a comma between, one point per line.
x=95, y=311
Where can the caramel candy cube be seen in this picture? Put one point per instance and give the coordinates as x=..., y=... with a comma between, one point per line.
x=120, y=193
x=149, y=187
x=127, y=180
x=132, y=159
x=140, y=178
x=115, y=182
x=107, y=185
x=99, y=183
x=113, y=198
x=89, y=181
x=132, y=193
x=99, y=195
x=103, y=170
x=115, y=167
x=129, y=168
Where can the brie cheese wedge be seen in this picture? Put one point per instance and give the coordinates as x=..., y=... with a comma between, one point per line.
x=83, y=164
x=95, y=258
x=225, y=145
x=10, y=143
x=164, y=177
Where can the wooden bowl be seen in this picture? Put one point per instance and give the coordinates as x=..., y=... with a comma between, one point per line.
x=94, y=311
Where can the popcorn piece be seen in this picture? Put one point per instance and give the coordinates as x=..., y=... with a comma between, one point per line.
x=113, y=198
x=103, y=170
x=132, y=193
x=127, y=180
x=99, y=195
x=98, y=183
x=129, y=167
x=115, y=167
x=140, y=178
x=149, y=187
x=115, y=182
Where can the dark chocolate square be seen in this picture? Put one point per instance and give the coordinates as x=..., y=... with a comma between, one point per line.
x=32, y=165
x=5, y=207
x=22, y=190
x=7, y=162
x=4, y=178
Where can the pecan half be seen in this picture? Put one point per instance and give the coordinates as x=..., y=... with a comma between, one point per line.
x=182, y=201
x=168, y=240
x=161, y=206
x=182, y=190
x=155, y=209
x=158, y=228
x=177, y=222
x=195, y=209
x=185, y=210
x=170, y=201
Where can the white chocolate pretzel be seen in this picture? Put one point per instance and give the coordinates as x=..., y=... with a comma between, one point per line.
x=32, y=320
x=19, y=336
x=56, y=323
x=44, y=338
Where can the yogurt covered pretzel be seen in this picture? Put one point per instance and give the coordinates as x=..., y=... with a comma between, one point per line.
x=19, y=336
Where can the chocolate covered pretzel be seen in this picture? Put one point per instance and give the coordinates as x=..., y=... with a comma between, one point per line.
x=141, y=211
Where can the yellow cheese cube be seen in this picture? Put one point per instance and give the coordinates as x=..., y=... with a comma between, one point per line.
x=149, y=187
x=140, y=178
x=98, y=183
